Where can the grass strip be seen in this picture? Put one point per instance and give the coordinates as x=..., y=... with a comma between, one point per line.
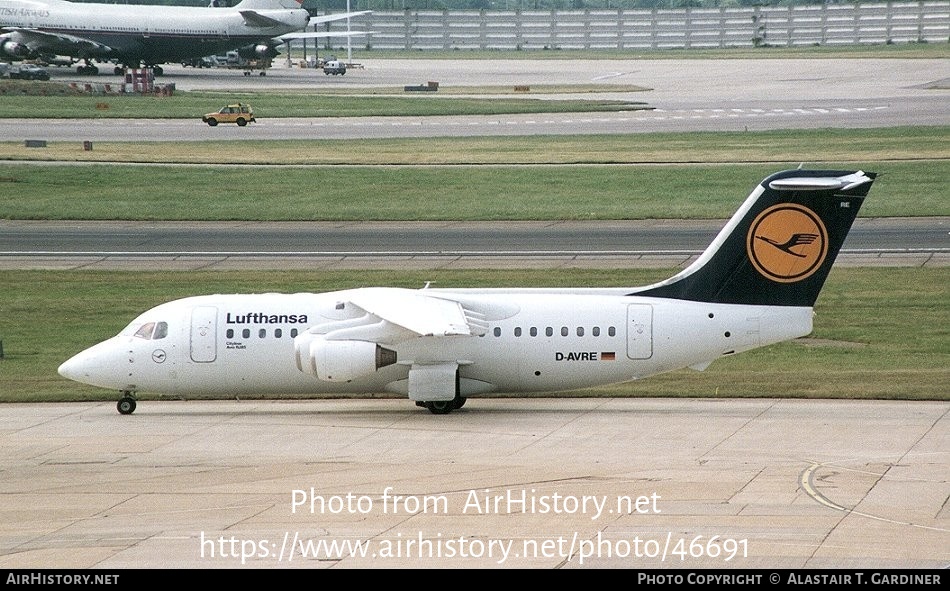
x=879, y=333
x=649, y=176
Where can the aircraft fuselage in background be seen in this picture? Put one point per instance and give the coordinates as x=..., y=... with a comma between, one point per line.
x=146, y=35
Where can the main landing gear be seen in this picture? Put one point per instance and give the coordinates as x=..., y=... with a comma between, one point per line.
x=443, y=407
x=126, y=404
x=87, y=68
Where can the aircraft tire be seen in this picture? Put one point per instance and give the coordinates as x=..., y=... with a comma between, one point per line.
x=444, y=407
x=126, y=405
x=441, y=407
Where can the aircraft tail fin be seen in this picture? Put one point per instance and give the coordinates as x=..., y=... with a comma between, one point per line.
x=779, y=246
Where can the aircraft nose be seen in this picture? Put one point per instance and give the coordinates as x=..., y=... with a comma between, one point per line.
x=71, y=369
x=82, y=367
x=100, y=365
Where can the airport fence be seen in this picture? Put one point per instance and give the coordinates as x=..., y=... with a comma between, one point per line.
x=683, y=28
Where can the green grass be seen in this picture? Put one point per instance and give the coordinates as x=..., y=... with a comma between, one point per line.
x=879, y=333
x=52, y=100
x=806, y=145
x=450, y=178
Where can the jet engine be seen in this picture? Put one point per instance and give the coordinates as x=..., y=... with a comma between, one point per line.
x=14, y=49
x=259, y=51
x=343, y=361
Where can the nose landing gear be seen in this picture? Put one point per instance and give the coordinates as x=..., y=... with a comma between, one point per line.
x=126, y=404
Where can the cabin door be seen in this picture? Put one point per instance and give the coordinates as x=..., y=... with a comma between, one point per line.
x=639, y=331
x=204, y=324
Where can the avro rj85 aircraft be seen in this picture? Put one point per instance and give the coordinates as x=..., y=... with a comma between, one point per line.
x=755, y=285
x=150, y=35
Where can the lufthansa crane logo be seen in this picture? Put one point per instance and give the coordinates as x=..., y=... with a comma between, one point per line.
x=787, y=243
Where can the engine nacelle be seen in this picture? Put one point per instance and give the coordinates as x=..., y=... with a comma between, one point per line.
x=343, y=361
x=14, y=49
x=260, y=51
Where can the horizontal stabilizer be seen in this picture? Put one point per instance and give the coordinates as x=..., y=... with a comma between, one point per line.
x=255, y=19
x=326, y=18
x=322, y=35
x=841, y=183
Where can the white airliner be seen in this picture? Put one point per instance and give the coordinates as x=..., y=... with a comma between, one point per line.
x=755, y=285
x=151, y=35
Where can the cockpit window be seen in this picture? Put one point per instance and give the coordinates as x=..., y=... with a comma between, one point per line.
x=145, y=331
x=152, y=331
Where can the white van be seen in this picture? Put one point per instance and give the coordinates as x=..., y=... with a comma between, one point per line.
x=334, y=67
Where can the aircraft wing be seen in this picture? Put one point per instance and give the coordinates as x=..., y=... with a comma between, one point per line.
x=326, y=18
x=416, y=312
x=40, y=42
x=321, y=35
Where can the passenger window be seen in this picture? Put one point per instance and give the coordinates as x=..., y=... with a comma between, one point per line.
x=580, y=331
x=549, y=331
x=612, y=331
x=262, y=333
x=564, y=331
x=534, y=331
x=596, y=331
x=518, y=331
x=278, y=333
x=293, y=333
x=497, y=331
x=230, y=333
x=246, y=333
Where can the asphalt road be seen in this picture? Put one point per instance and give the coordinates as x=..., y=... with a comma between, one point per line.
x=38, y=244
x=684, y=95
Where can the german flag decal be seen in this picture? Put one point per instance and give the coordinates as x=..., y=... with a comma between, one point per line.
x=787, y=243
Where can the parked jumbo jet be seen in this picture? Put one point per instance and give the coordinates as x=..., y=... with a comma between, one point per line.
x=755, y=285
x=149, y=35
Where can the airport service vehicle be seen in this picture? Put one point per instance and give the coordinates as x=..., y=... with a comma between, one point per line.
x=27, y=72
x=755, y=285
x=239, y=113
x=334, y=67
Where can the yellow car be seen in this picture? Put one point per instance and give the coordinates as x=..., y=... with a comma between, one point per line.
x=240, y=114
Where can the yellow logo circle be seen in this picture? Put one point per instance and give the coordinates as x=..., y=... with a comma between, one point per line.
x=787, y=243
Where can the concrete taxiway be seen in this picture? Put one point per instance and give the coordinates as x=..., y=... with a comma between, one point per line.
x=28, y=244
x=534, y=482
